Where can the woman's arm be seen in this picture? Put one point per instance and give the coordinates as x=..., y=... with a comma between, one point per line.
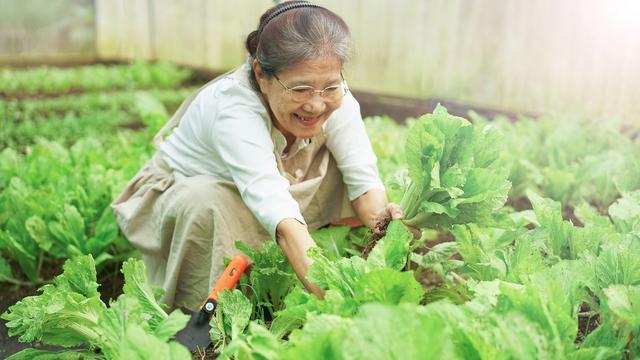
x=372, y=206
x=295, y=241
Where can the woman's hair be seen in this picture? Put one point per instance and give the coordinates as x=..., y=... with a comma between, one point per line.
x=298, y=34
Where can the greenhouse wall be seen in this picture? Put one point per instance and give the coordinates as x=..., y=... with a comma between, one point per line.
x=44, y=31
x=574, y=56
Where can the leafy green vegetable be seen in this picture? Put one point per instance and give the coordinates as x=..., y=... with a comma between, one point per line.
x=391, y=251
x=387, y=286
x=333, y=240
x=237, y=311
x=65, y=314
x=454, y=176
x=624, y=302
x=271, y=278
x=257, y=343
x=69, y=313
x=139, y=344
x=438, y=258
x=136, y=286
x=35, y=354
x=351, y=282
x=378, y=331
x=625, y=213
x=94, y=77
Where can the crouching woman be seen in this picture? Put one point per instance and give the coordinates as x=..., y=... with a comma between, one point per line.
x=274, y=149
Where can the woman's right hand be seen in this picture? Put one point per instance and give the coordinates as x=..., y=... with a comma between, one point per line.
x=295, y=241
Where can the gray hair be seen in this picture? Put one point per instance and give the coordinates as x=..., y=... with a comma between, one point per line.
x=296, y=35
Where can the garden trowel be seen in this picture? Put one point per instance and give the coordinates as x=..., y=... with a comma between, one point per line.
x=196, y=334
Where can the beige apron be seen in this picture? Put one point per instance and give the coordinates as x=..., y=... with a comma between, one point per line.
x=185, y=226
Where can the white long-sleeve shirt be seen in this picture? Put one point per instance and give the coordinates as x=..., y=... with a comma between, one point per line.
x=226, y=133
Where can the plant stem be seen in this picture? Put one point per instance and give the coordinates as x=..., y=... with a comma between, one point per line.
x=418, y=220
x=20, y=282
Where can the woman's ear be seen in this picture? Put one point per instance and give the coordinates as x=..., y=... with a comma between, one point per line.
x=257, y=71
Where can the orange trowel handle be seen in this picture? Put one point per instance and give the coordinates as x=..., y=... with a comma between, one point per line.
x=228, y=279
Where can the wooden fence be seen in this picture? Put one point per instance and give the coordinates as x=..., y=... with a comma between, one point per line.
x=580, y=57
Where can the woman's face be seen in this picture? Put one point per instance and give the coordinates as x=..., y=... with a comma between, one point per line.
x=301, y=119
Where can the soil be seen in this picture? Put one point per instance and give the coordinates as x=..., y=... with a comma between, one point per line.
x=204, y=354
x=401, y=108
x=568, y=214
x=379, y=231
x=134, y=125
x=587, y=322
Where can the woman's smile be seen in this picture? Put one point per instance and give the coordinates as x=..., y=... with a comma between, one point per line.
x=307, y=120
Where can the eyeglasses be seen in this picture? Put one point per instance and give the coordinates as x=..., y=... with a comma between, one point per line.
x=303, y=93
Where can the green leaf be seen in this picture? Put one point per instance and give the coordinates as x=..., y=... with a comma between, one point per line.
x=594, y=353
x=300, y=304
x=388, y=286
x=340, y=275
x=79, y=276
x=320, y=338
x=236, y=309
x=489, y=253
x=392, y=250
x=136, y=285
x=386, y=332
x=540, y=304
x=423, y=149
x=35, y=354
x=37, y=229
x=139, y=345
x=624, y=302
x=6, y=274
x=616, y=265
x=438, y=258
x=454, y=178
x=271, y=277
x=170, y=325
x=69, y=230
x=257, y=343
x=448, y=208
x=625, y=213
x=106, y=231
x=27, y=261
x=283, y=325
x=559, y=232
x=333, y=240
x=113, y=324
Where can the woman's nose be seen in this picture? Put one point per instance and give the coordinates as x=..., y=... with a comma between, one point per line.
x=315, y=105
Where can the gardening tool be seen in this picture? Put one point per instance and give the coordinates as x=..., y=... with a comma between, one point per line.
x=196, y=334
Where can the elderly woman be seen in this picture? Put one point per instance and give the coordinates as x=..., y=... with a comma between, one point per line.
x=275, y=148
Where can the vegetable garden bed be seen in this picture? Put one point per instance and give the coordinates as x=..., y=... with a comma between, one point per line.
x=529, y=246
